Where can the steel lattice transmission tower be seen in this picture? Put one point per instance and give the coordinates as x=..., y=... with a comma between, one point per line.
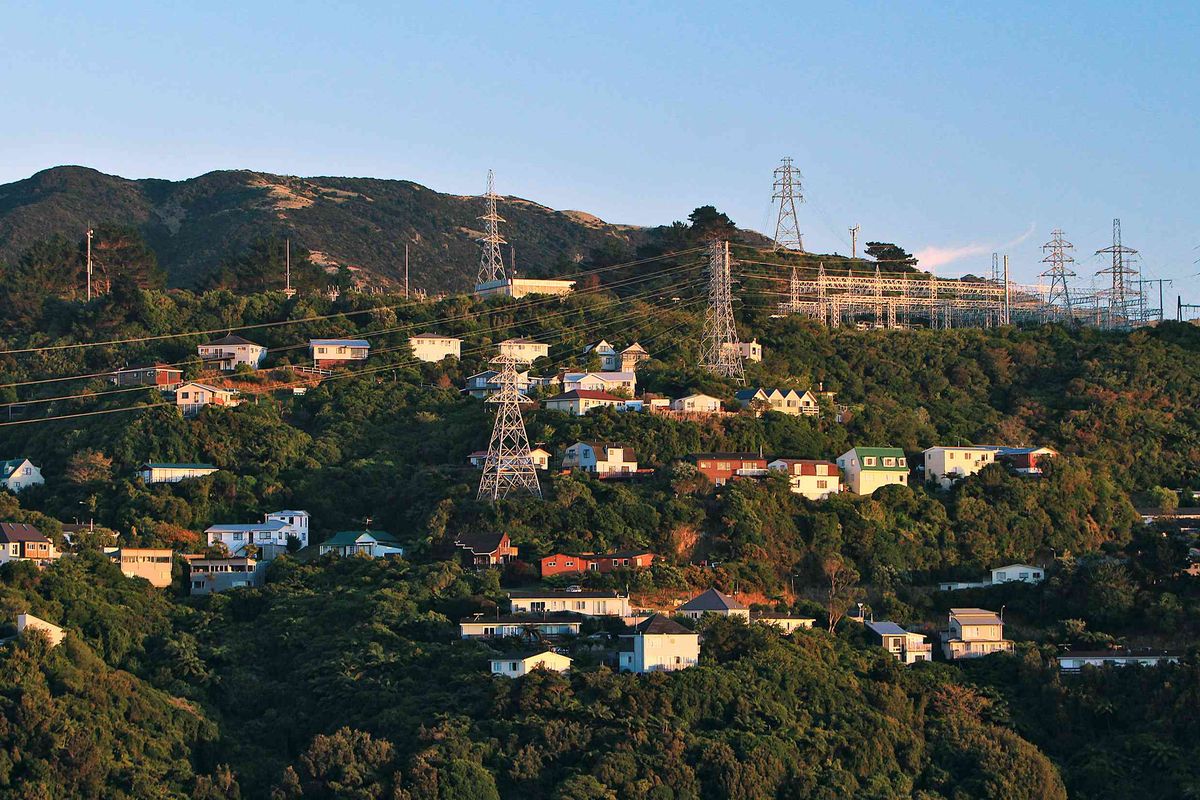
x=1058, y=258
x=1125, y=297
x=508, y=466
x=722, y=352
x=787, y=192
x=491, y=264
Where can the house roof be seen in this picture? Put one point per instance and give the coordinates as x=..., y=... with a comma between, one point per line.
x=695, y=396
x=881, y=453
x=634, y=348
x=885, y=628
x=1015, y=566
x=601, y=346
x=712, y=600
x=287, y=513
x=607, y=377
x=586, y=394
x=231, y=339
x=12, y=532
x=658, y=625
x=207, y=386
x=558, y=617
x=340, y=342
x=10, y=466
x=273, y=525
x=729, y=456
x=480, y=543
x=434, y=336
x=170, y=465
x=525, y=655
x=557, y=594
x=343, y=538
x=976, y=616
x=627, y=454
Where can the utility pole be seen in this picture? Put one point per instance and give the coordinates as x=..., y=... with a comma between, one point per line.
x=90, y=232
x=722, y=353
x=787, y=192
x=1160, y=281
x=1007, y=294
x=1058, y=258
x=854, y=241
x=288, y=291
x=491, y=264
x=406, y=270
x=1180, y=307
x=1121, y=297
x=508, y=466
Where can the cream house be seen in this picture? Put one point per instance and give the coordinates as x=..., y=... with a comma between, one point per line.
x=787, y=401
x=811, y=478
x=867, y=469
x=192, y=396
x=580, y=401
x=521, y=287
x=658, y=645
x=514, y=665
x=600, y=381
x=587, y=603
x=524, y=350
x=600, y=458
x=434, y=347
x=697, y=404
x=907, y=647
x=974, y=632
x=31, y=623
x=19, y=473
x=335, y=352
x=1018, y=572
x=944, y=465
x=786, y=623
x=153, y=564
x=751, y=350
x=540, y=457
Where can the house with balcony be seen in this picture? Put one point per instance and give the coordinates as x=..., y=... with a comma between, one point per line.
x=434, y=347
x=905, y=646
x=192, y=396
x=600, y=458
x=945, y=465
x=658, y=644
x=589, y=603
x=19, y=473
x=369, y=544
x=498, y=626
x=974, y=632
x=168, y=472
x=719, y=468
x=811, y=478
x=600, y=382
x=230, y=352
x=516, y=664
x=329, y=353
x=213, y=575
x=867, y=469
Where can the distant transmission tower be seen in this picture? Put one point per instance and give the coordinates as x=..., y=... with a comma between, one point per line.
x=508, y=466
x=1124, y=298
x=491, y=264
x=722, y=352
x=787, y=192
x=1059, y=299
x=995, y=268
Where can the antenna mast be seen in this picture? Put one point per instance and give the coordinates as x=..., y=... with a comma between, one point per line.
x=854, y=240
x=787, y=192
x=491, y=263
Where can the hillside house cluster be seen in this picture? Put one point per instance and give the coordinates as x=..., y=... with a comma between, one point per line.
x=945, y=465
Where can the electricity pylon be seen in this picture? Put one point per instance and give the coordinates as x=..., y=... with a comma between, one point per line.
x=722, y=352
x=491, y=264
x=1124, y=301
x=1058, y=258
x=787, y=192
x=508, y=466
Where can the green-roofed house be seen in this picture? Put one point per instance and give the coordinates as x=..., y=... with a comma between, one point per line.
x=868, y=468
x=164, y=472
x=373, y=544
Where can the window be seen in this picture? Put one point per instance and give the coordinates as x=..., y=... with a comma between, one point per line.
x=28, y=470
x=822, y=484
x=889, y=462
x=237, y=537
x=537, y=605
x=869, y=461
x=555, y=563
x=580, y=605
x=512, y=666
x=184, y=395
x=903, y=462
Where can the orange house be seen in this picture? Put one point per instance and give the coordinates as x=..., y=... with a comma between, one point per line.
x=564, y=564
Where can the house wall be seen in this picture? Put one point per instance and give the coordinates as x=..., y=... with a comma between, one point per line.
x=150, y=563
x=718, y=470
x=665, y=652
x=951, y=463
x=588, y=606
x=251, y=355
x=28, y=621
x=867, y=481
x=483, y=629
x=161, y=475
x=25, y=476
x=434, y=350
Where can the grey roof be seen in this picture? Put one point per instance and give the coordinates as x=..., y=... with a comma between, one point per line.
x=12, y=532
x=486, y=542
x=10, y=466
x=712, y=600
x=660, y=625
x=273, y=525
x=341, y=342
x=231, y=339
x=884, y=628
x=562, y=593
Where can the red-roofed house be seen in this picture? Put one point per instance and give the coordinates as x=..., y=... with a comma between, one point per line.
x=814, y=479
x=563, y=564
x=720, y=467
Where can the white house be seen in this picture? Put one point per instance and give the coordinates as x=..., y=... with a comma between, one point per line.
x=697, y=404
x=944, y=465
x=29, y=622
x=811, y=478
x=869, y=468
x=270, y=536
x=600, y=458
x=600, y=381
x=540, y=457
x=1018, y=572
x=482, y=626
x=626, y=360
x=525, y=350
x=230, y=352
x=192, y=396
x=160, y=472
x=335, y=352
x=373, y=544
x=587, y=603
x=658, y=645
x=434, y=347
x=713, y=601
x=974, y=632
x=514, y=665
x=907, y=647
x=19, y=473
x=580, y=401
x=1076, y=660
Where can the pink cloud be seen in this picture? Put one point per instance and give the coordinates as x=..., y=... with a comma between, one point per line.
x=934, y=256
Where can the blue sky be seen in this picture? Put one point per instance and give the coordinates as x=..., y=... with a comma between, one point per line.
x=952, y=130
